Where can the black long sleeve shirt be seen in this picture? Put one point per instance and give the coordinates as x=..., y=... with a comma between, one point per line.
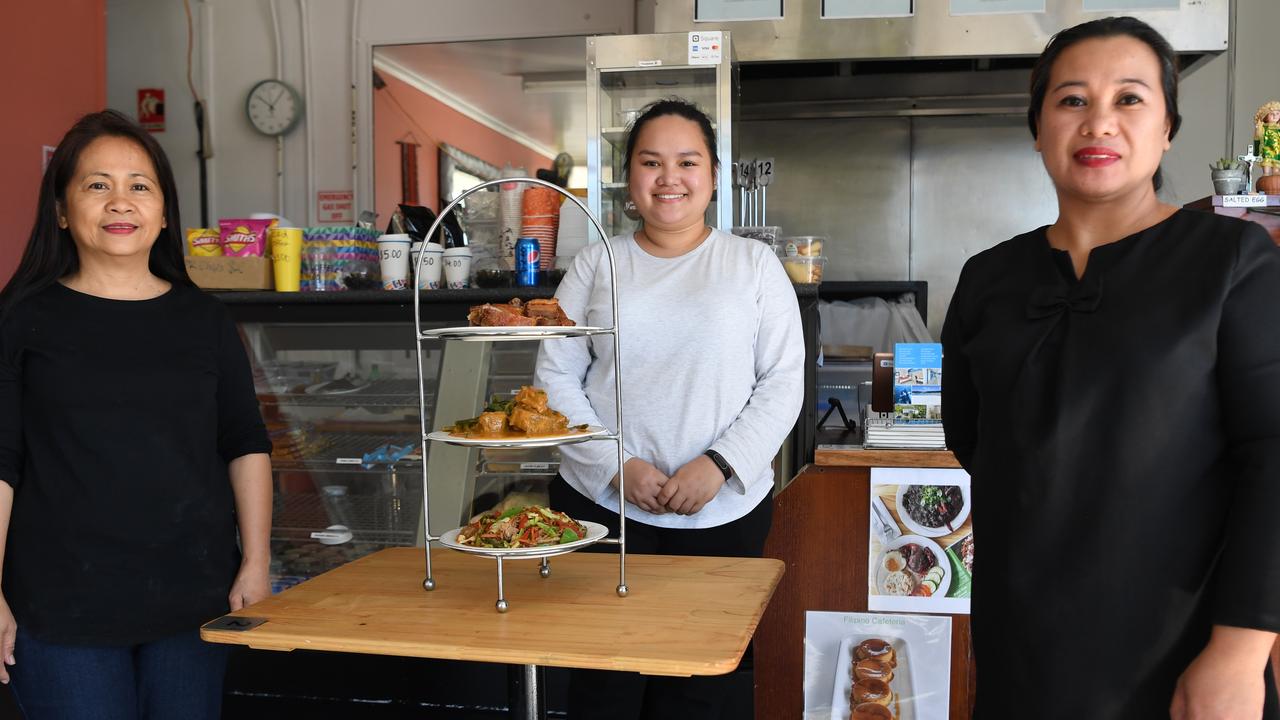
x=117, y=422
x=1123, y=435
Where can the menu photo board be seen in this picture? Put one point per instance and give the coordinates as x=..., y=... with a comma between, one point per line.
x=1129, y=5
x=996, y=7
x=846, y=9
x=729, y=10
x=901, y=662
x=921, y=541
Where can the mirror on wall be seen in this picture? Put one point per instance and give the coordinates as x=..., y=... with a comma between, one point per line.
x=450, y=115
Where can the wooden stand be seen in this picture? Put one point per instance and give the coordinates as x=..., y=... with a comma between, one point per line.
x=832, y=503
x=1266, y=217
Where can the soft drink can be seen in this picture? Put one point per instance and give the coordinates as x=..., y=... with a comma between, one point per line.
x=527, y=256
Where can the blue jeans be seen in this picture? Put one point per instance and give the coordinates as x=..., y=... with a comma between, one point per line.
x=178, y=677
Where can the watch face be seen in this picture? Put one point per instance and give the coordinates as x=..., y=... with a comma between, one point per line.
x=272, y=107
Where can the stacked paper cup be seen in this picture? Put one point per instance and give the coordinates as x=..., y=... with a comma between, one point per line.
x=510, y=209
x=541, y=220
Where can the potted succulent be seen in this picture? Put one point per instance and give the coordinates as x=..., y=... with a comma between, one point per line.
x=1228, y=177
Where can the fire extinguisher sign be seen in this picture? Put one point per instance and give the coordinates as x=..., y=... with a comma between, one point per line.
x=151, y=109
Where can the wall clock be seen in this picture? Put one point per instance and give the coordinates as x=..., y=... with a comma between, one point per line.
x=273, y=107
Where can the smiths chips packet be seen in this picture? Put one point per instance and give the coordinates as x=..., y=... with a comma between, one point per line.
x=204, y=242
x=244, y=237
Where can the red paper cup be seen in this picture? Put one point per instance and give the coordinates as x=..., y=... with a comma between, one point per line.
x=540, y=201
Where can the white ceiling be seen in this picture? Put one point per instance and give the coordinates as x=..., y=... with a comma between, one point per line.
x=533, y=87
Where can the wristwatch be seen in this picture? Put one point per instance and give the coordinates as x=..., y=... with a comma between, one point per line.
x=720, y=462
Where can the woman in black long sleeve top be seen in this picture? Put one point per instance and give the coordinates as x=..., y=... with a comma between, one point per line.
x=1112, y=384
x=131, y=448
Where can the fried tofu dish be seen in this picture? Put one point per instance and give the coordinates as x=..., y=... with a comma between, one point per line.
x=526, y=415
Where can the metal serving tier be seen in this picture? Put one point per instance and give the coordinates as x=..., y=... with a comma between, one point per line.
x=508, y=334
x=598, y=433
x=525, y=333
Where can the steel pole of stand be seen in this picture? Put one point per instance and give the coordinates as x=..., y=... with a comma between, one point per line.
x=526, y=699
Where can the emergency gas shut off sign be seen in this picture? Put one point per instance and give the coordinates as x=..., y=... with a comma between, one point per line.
x=335, y=207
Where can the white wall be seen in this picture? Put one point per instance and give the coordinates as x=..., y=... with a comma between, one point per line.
x=146, y=47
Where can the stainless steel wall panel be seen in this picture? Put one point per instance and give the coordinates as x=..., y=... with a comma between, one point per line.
x=846, y=179
x=976, y=182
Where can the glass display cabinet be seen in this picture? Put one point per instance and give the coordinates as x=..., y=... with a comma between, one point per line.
x=338, y=390
x=627, y=72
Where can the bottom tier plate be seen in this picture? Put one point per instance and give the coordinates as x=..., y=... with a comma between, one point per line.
x=595, y=533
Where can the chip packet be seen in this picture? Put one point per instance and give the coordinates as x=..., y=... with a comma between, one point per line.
x=204, y=242
x=244, y=237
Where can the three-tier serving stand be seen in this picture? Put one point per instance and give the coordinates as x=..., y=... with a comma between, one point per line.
x=596, y=533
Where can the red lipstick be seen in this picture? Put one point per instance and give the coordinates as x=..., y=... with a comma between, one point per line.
x=1096, y=156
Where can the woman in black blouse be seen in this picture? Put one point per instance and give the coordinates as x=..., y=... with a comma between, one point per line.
x=1112, y=384
x=131, y=448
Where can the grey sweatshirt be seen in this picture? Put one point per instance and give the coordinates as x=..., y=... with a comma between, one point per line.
x=712, y=357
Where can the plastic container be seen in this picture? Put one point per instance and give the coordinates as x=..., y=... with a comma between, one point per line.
x=767, y=234
x=802, y=269
x=801, y=246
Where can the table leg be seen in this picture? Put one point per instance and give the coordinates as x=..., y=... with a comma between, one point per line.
x=527, y=700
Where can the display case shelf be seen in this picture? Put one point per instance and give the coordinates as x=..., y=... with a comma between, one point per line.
x=344, y=451
x=386, y=519
x=392, y=392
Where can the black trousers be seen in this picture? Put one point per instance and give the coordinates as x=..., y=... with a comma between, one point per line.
x=609, y=695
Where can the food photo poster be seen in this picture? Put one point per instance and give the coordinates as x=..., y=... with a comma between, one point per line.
x=921, y=541
x=900, y=662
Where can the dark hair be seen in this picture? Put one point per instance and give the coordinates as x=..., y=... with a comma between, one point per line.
x=1105, y=28
x=51, y=252
x=670, y=106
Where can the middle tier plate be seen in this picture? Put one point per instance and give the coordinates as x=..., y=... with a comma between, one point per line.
x=593, y=431
x=507, y=334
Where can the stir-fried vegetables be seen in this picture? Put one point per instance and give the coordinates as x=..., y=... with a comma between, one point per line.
x=518, y=527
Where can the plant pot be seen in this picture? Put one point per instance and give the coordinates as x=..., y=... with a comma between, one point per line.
x=1229, y=182
x=1269, y=184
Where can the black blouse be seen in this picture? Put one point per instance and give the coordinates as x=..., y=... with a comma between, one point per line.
x=117, y=422
x=1123, y=435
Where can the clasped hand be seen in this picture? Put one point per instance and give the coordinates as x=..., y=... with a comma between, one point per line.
x=684, y=493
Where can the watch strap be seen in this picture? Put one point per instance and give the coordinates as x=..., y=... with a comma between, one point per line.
x=721, y=463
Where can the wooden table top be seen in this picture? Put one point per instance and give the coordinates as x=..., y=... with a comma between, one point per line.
x=682, y=616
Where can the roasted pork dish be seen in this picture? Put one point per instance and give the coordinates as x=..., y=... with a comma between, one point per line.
x=531, y=526
x=525, y=415
x=517, y=313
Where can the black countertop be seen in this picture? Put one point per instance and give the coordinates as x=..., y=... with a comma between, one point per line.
x=384, y=305
x=470, y=296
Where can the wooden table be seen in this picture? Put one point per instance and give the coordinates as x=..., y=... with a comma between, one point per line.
x=683, y=615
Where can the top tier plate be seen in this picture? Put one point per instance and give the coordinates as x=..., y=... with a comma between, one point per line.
x=506, y=334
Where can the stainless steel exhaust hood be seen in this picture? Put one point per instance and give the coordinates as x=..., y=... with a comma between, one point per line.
x=1199, y=26
x=931, y=64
